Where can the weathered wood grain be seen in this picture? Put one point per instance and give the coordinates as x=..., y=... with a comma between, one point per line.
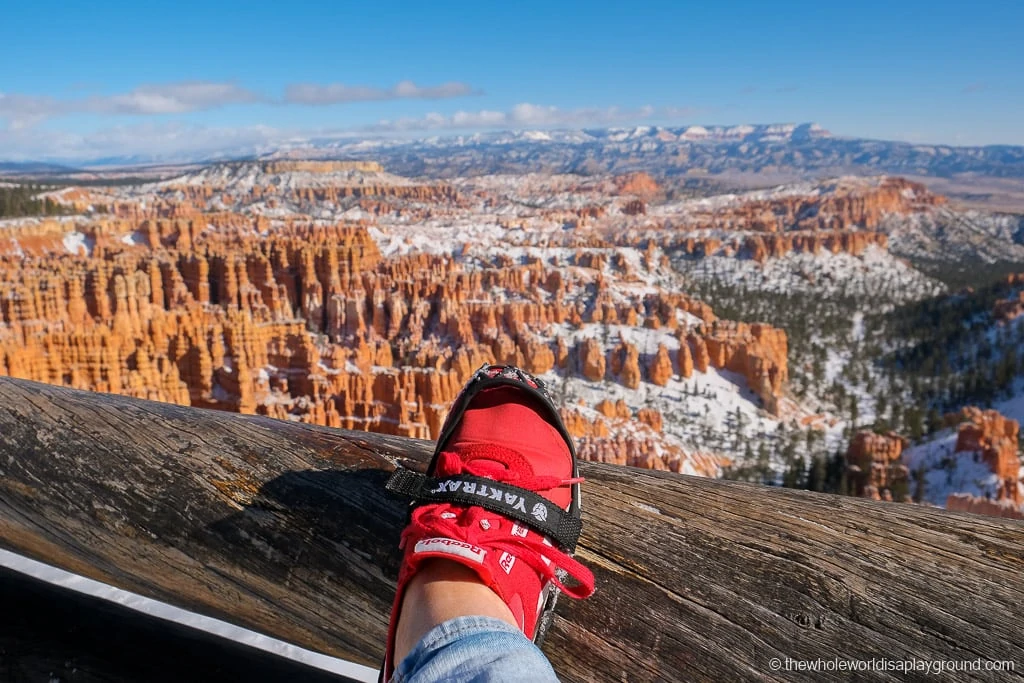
x=285, y=529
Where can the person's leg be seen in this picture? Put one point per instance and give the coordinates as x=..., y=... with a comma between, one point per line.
x=440, y=591
x=489, y=546
x=474, y=649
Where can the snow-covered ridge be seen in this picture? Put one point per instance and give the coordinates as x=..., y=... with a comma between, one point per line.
x=947, y=471
x=245, y=176
x=30, y=221
x=798, y=189
x=776, y=132
x=792, y=150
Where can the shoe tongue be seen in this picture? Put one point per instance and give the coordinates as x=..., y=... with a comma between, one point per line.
x=509, y=417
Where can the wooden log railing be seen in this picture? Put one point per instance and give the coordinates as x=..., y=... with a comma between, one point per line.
x=285, y=529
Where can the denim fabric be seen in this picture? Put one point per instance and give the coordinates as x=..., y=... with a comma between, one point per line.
x=477, y=649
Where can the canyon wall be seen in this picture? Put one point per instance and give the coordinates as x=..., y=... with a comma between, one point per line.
x=877, y=463
x=263, y=287
x=875, y=468
x=310, y=322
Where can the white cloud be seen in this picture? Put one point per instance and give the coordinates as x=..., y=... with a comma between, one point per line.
x=172, y=98
x=337, y=93
x=536, y=115
x=167, y=141
x=22, y=111
x=478, y=119
x=526, y=115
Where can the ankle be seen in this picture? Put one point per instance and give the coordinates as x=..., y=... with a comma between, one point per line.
x=442, y=590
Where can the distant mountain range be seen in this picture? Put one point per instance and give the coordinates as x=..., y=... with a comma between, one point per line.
x=31, y=168
x=802, y=150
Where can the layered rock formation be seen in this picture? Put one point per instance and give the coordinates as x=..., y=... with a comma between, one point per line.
x=965, y=502
x=215, y=290
x=284, y=184
x=846, y=216
x=1012, y=306
x=660, y=370
x=875, y=468
x=626, y=364
x=196, y=197
x=289, y=165
x=639, y=184
x=842, y=206
x=620, y=436
x=762, y=247
x=995, y=438
x=877, y=463
x=309, y=322
x=592, y=363
x=757, y=351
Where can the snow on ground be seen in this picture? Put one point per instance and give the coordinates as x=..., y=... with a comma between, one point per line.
x=709, y=412
x=134, y=238
x=77, y=243
x=36, y=220
x=947, y=472
x=857, y=333
x=949, y=234
x=437, y=236
x=1013, y=407
x=244, y=177
x=534, y=191
x=874, y=273
x=686, y=209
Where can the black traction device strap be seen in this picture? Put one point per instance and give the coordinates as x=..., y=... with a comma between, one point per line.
x=522, y=505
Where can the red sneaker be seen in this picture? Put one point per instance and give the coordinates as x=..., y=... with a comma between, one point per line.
x=501, y=496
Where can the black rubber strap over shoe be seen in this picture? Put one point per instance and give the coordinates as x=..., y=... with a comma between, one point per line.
x=522, y=505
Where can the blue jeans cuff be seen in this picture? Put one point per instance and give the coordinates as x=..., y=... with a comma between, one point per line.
x=474, y=650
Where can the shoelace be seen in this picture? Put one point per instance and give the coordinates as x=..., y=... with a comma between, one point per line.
x=460, y=522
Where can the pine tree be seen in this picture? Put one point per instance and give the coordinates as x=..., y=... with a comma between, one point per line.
x=912, y=420
x=920, y=490
x=764, y=465
x=835, y=474
x=795, y=475
x=817, y=474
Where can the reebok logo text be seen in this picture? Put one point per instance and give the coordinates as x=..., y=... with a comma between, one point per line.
x=451, y=546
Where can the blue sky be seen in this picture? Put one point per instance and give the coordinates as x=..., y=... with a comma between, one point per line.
x=119, y=78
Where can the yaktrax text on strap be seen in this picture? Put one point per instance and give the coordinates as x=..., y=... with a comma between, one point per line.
x=523, y=505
